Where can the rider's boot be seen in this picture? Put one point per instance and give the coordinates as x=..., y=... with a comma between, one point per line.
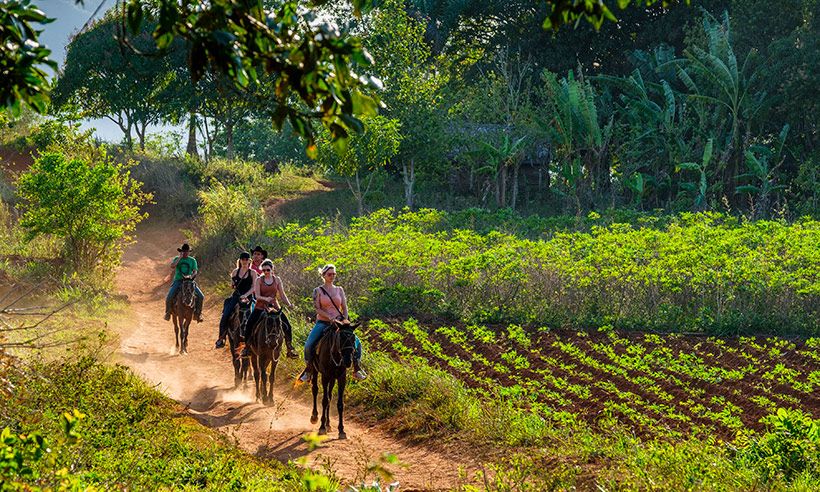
x=167, y=316
x=245, y=352
x=291, y=353
x=198, y=310
x=306, y=374
x=358, y=372
x=220, y=343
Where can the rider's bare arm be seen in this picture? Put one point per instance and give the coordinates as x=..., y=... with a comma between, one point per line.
x=344, y=303
x=281, y=289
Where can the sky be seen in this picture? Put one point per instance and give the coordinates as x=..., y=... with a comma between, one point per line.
x=68, y=19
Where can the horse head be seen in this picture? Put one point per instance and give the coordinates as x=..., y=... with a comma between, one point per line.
x=187, y=294
x=347, y=340
x=272, y=322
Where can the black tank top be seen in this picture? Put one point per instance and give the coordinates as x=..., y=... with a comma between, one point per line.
x=241, y=284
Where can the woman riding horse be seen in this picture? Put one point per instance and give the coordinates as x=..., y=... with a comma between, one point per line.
x=242, y=280
x=268, y=290
x=331, y=304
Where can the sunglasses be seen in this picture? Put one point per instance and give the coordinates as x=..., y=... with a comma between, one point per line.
x=266, y=269
x=330, y=273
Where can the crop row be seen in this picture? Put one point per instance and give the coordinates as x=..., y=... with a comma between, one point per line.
x=659, y=385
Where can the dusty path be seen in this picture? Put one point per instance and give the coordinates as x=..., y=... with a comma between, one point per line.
x=203, y=381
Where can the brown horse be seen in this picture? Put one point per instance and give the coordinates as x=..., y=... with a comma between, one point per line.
x=265, y=345
x=182, y=311
x=239, y=317
x=334, y=355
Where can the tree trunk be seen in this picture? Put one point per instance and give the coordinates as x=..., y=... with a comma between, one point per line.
x=191, y=149
x=229, y=140
x=140, y=128
x=357, y=192
x=515, y=184
x=409, y=176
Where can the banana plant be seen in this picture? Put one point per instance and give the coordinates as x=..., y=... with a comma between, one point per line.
x=698, y=188
x=639, y=184
x=762, y=161
x=727, y=88
x=497, y=160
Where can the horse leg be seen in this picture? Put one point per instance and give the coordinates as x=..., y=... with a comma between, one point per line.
x=330, y=383
x=264, y=360
x=184, y=334
x=176, y=333
x=314, y=417
x=255, y=364
x=325, y=402
x=340, y=406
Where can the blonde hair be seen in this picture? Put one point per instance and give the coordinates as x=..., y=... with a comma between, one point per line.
x=322, y=271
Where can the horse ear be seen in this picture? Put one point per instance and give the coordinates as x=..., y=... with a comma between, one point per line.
x=355, y=325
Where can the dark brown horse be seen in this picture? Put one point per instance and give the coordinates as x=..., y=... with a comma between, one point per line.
x=182, y=311
x=334, y=355
x=265, y=345
x=239, y=317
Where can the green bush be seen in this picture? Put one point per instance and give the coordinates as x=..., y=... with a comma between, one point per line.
x=229, y=218
x=168, y=181
x=92, y=206
x=789, y=448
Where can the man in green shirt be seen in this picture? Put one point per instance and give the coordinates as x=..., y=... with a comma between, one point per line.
x=184, y=265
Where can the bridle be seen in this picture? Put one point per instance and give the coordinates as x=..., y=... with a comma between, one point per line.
x=272, y=318
x=241, y=312
x=339, y=345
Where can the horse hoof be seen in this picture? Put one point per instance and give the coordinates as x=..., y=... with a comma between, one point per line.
x=342, y=436
x=322, y=431
x=314, y=419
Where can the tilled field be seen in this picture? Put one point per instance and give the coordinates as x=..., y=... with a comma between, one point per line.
x=658, y=385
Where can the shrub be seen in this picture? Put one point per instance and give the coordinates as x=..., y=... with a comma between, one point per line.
x=229, y=218
x=92, y=206
x=790, y=447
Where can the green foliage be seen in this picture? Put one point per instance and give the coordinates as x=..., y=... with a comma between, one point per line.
x=789, y=448
x=22, y=78
x=132, y=437
x=702, y=272
x=365, y=155
x=92, y=206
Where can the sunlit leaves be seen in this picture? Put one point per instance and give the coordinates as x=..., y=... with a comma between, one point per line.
x=22, y=58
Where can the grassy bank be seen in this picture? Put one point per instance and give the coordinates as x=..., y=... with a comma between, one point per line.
x=105, y=428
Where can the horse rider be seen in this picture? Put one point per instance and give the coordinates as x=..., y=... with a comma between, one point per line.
x=331, y=304
x=268, y=289
x=184, y=265
x=242, y=280
x=259, y=255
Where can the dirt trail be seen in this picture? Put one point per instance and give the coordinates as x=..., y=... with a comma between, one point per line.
x=203, y=382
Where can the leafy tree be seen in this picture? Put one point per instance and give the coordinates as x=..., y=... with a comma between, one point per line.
x=698, y=189
x=93, y=206
x=414, y=83
x=366, y=154
x=101, y=80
